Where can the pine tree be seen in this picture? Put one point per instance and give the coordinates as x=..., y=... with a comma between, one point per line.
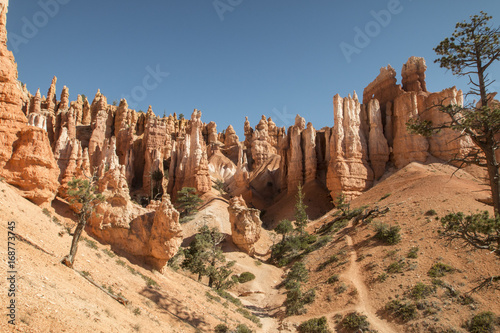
x=82, y=192
x=301, y=218
x=188, y=201
x=205, y=258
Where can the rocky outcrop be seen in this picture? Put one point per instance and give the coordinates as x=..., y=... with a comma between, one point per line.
x=161, y=155
x=32, y=167
x=26, y=159
x=12, y=119
x=189, y=164
x=245, y=225
x=349, y=172
x=152, y=234
x=413, y=74
x=447, y=144
x=377, y=143
x=309, y=152
x=295, y=170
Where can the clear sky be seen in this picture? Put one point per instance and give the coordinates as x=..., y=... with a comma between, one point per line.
x=231, y=58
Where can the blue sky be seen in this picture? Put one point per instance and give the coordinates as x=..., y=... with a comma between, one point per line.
x=230, y=58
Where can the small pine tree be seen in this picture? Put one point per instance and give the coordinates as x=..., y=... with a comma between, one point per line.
x=205, y=258
x=298, y=273
x=301, y=218
x=84, y=193
x=188, y=201
x=284, y=228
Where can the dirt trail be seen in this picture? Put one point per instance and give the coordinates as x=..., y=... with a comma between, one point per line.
x=353, y=274
x=262, y=298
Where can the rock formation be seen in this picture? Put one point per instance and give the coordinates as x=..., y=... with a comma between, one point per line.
x=32, y=167
x=152, y=234
x=189, y=164
x=26, y=159
x=245, y=225
x=160, y=155
x=377, y=143
x=349, y=171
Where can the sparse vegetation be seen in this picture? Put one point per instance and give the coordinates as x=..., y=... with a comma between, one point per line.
x=330, y=260
x=295, y=299
x=56, y=221
x=246, y=277
x=46, y=212
x=382, y=277
x=221, y=328
x=219, y=186
x=396, y=267
x=431, y=212
x=421, y=291
x=439, y=270
x=109, y=253
x=387, y=234
x=483, y=322
x=332, y=279
x=403, y=311
x=242, y=328
x=355, y=322
x=413, y=253
x=204, y=257
x=188, y=202
x=248, y=315
x=84, y=193
x=91, y=243
x=315, y=325
x=120, y=262
x=385, y=196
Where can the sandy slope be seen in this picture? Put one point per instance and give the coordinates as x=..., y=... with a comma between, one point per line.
x=53, y=298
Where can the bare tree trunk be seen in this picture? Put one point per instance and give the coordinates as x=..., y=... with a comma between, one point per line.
x=70, y=258
x=494, y=177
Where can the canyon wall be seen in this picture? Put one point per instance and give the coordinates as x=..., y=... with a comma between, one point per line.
x=140, y=156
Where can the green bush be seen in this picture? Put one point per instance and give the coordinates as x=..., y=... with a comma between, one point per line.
x=90, y=243
x=242, y=328
x=332, y=279
x=221, y=328
x=439, y=270
x=298, y=273
x=315, y=325
x=296, y=300
x=355, y=321
x=401, y=310
x=483, y=322
x=229, y=297
x=387, y=234
x=413, y=253
x=431, y=212
x=46, y=212
x=245, y=277
x=331, y=259
x=396, y=267
x=421, y=291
